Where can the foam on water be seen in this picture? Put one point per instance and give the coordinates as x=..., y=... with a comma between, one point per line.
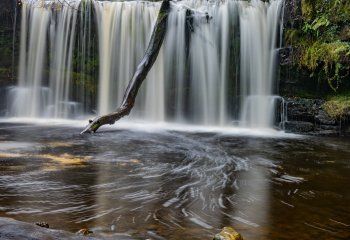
x=157, y=127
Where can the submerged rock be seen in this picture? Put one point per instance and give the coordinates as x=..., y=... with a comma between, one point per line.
x=228, y=233
x=84, y=232
x=11, y=229
x=42, y=224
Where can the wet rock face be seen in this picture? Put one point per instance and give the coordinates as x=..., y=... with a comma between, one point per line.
x=303, y=109
x=42, y=224
x=285, y=55
x=292, y=12
x=307, y=116
x=299, y=126
x=323, y=118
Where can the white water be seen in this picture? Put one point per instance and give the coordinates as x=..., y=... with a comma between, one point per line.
x=28, y=95
x=213, y=69
x=44, y=84
x=210, y=62
x=259, y=31
x=124, y=31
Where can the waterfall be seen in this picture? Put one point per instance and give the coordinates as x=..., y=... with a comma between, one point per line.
x=217, y=65
x=175, y=62
x=124, y=31
x=210, y=56
x=45, y=27
x=259, y=32
x=28, y=96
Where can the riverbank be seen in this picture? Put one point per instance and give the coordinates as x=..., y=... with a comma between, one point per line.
x=12, y=229
x=311, y=117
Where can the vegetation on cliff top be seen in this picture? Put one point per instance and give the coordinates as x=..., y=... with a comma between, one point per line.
x=338, y=107
x=322, y=40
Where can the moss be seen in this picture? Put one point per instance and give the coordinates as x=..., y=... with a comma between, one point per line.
x=84, y=80
x=321, y=41
x=337, y=106
x=328, y=54
x=307, y=9
x=5, y=71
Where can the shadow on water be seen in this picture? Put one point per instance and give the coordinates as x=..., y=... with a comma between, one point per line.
x=175, y=185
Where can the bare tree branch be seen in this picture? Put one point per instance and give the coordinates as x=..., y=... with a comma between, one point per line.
x=155, y=43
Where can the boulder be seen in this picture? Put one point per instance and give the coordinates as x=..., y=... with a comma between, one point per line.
x=324, y=119
x=228, y=233
x=11, y=229
x=299, y=127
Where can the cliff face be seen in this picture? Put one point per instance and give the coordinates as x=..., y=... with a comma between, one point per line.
x=316, y=54
x=310, y=116
x=7, y=9
x=9, y=42
x=314, y=66
x=8, y=48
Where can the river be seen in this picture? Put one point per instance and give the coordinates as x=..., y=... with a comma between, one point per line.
x=175, y=182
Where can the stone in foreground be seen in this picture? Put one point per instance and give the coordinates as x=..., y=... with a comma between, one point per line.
x=11, y=229
x=228, y=233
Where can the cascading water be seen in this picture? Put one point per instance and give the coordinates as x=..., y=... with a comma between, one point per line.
x=124, y=31
x=259, y=29
x=40, y=93
x=216, y=66
x=27, y=97
x=213, y=36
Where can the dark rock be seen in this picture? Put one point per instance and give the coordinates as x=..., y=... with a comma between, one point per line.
x=299, y=127
x=84, y=232
x=327, y=127
x=303, y=109
x=285, y=56
x=346, y=131
x=345, y=33
x=307, y=116
x=323, y=118
x=42, y=224
x=292, y=12
x=347, y=115
x=11, y=229
x=327, y=133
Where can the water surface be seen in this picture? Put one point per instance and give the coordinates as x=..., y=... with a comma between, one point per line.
x=170, y=184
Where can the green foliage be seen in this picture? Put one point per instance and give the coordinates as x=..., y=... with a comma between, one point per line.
x=307, y=9
x=5, y=48
x=315, y=27
x=85, y=81
x=5, y=72
x=322, y=40
x=325, y=57
x=338, y=106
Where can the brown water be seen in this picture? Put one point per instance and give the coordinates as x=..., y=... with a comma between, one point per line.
x=176, y=185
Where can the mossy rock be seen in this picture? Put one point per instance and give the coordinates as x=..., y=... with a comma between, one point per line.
x=228, y=233
x=338, y=107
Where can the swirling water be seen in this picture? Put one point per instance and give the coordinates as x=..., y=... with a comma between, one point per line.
x=169, y=184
